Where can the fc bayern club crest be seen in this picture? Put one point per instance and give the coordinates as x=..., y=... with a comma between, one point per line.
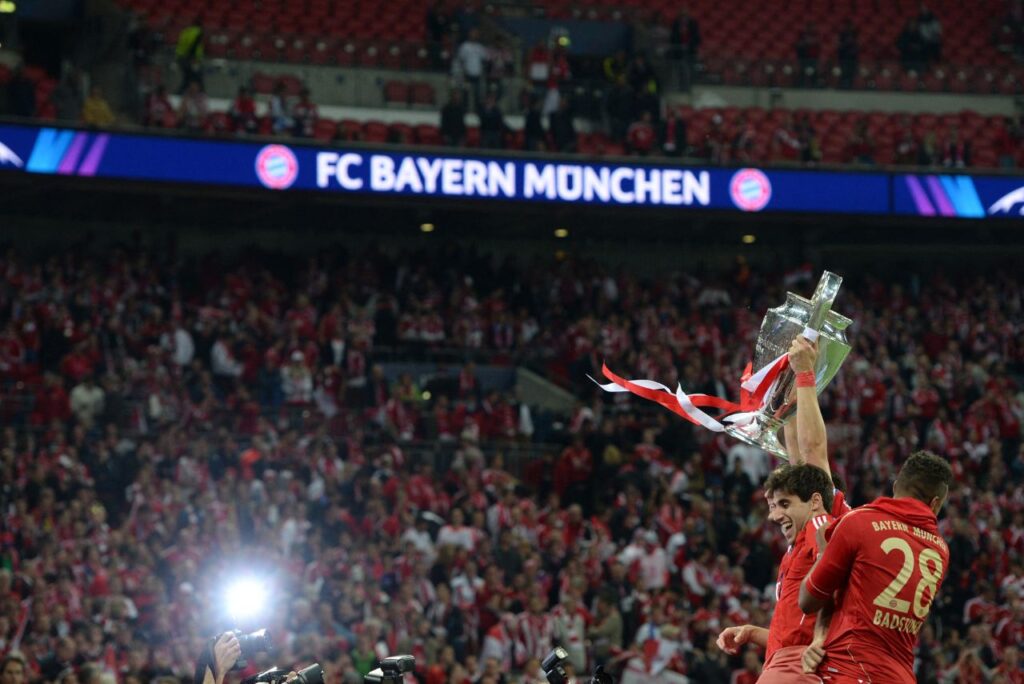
x=276, y=167
x=750, y=190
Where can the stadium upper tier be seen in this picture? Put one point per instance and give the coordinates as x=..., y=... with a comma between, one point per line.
x=740, y=45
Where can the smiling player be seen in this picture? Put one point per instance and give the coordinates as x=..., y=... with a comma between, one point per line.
x=801, y=499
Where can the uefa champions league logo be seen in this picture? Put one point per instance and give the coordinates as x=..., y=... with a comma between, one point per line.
x=750, y=190
x=276, y=167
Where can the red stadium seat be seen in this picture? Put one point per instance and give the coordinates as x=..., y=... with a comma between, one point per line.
x=423, y=94
x=427, y=134
x=375, y=131
x=325, y=129
x=396, y=92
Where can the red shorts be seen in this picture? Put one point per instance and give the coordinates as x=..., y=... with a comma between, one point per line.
x=784, y=667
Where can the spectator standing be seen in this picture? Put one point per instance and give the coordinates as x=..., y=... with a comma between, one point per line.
x=861, y=149
x=785, y=142
x=67, y=96
x=906, y=152
x=644, y=84
x=159, y=110
x=620, y=108
x=911, y=46
x=500, y=62
x=1008, y=143
x=492, y=124
x=297, y=381
x=716, y=141
x=189, y=54
x=673, y=135
x=96, y=110
x=304, y=115
x=743, y=141
x=469, y=66
x=243, y=112
x=21, y=94
x=559, y=75
x=538, y=68
x=928, y=150
x=193, y=108
x=684, y=39
x=640, y=136
x=848, y=54
x=453, y=120
x=533, y=128
x=931, y=35
x=808, y=53
x=562, y=128
x=810, y=146
x=280, y=119
x=87, y=401
x=956, y=152
x=437, y=29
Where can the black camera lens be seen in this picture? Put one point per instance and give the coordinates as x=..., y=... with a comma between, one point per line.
x=398, y=664
x=314, y=674
x=256, y=642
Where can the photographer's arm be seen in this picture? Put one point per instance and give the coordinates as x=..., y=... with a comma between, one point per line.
x=226, y=651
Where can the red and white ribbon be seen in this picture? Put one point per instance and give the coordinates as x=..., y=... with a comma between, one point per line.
x=754, y=388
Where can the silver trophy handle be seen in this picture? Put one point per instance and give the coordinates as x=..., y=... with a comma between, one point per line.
x=823, y=298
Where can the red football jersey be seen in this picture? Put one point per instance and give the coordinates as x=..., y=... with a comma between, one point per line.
x=888, y=561
x=840, y=506
x=789, y=625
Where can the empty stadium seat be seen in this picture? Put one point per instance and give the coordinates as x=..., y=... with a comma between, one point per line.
x=396, y=92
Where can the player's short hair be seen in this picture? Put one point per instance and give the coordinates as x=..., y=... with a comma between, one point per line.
x=925, y=476
x=776, y=478
x=804, y=480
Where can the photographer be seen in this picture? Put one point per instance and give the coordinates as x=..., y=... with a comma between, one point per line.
x=226, y=652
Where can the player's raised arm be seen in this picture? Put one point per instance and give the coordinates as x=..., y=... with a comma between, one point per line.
x=811, y=438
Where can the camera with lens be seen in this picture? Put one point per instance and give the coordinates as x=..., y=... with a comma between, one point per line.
x=554, y=669
x=251, y=644
x=554, y=666
x=391, y=670
x=313, y=674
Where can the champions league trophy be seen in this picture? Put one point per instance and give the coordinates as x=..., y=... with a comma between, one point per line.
x=779, y=327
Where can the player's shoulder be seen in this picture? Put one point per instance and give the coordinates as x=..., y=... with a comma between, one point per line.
x=854, y=519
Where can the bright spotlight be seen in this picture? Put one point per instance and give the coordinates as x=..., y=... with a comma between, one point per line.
x=561, y=233
x=749, y=239
x=427, y=227
x=246, y=598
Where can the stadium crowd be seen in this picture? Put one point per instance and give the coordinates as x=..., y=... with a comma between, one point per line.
x=170, y=423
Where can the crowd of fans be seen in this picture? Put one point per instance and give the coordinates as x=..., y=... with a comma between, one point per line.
x=171, y=423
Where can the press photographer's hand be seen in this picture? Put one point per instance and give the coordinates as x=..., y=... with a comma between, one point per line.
x=226, y=652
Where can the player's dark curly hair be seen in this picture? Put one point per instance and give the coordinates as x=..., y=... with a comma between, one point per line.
x=925, y=476
x=776, y=478
x=804, y=480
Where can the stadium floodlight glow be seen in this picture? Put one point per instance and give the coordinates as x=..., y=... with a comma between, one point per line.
x=561, y=233
x=749, y=239
x=246, y=598
x=427, y=227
